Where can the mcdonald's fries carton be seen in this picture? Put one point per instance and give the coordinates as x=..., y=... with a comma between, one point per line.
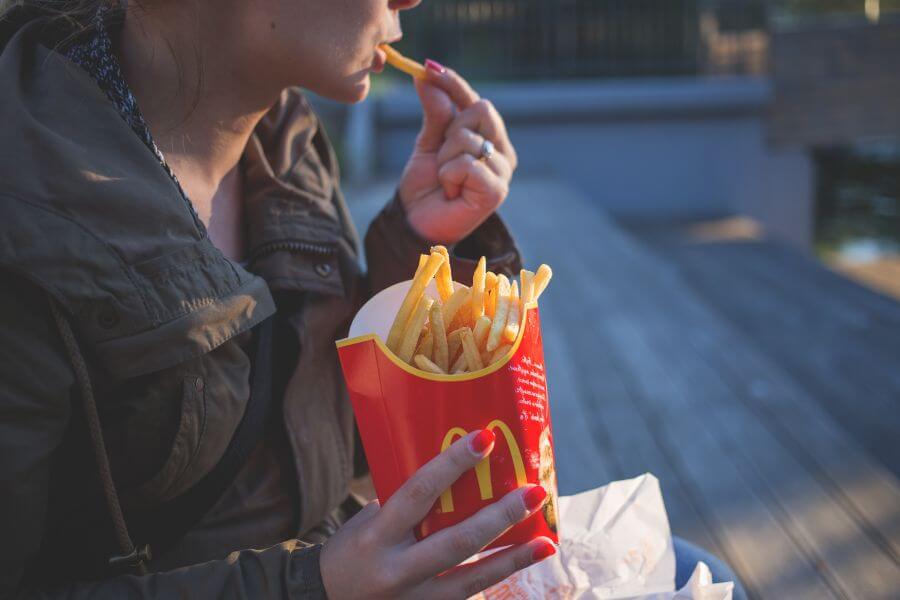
x=407, y=416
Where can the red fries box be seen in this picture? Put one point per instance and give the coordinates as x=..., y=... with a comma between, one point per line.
x=407, y=416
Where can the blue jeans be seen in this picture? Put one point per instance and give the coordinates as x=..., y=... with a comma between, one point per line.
x=688, y=555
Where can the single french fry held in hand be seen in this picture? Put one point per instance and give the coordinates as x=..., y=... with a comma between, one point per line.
x=416, y=290
x=426, y=365
x=511, y=330
x=541, y=280
x=495, y=336
x=401, y=63
x=444, y=278
x=470, y=350
x=527, y=292
x=477, y=299
x=441, y=351
x=414, y=329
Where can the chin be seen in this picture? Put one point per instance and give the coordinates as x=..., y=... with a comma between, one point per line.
x=347, y=92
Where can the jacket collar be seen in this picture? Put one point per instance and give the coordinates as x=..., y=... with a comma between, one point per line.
x=88, y=213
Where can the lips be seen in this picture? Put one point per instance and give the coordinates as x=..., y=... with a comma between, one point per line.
x=379, y=60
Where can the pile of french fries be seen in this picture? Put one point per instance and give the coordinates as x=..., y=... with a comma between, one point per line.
x=468, y=328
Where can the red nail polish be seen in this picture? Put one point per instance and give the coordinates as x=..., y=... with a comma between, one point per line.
x=543, y=551
x=482, y=441
x=534, y=497
x=435, y=66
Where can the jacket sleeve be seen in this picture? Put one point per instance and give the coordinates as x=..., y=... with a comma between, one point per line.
x=393, y=249
x=36, y=400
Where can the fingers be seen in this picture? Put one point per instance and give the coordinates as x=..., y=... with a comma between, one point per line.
x=466, y=141
x=414, y=499
x=449, y=547
x=468, y=580
x=484, y=119
x=459, y=90
x=467, y=171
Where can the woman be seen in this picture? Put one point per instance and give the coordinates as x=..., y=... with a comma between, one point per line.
x=176, y=261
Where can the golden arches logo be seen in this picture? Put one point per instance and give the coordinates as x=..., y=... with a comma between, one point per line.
x=483, y=469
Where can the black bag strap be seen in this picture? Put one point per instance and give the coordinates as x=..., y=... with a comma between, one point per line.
x=162, y=526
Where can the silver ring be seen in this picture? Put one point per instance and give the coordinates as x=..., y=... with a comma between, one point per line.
x=487, y=149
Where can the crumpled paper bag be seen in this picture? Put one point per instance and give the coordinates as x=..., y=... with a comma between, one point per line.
x=614, y=543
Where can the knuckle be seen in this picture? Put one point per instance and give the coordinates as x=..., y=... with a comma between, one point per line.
x=484, y=106
x=421, y=489
x=465, y=541
x=513, y=512
x=522, y=560
x=477, y=584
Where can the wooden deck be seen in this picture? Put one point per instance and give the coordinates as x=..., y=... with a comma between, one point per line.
x=761, y=389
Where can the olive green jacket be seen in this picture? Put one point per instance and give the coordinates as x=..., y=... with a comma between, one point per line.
x=89, y=218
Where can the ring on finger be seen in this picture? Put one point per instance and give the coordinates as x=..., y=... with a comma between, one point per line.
x=487, y=150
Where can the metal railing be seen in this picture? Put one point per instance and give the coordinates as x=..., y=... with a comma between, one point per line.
x=554, y=39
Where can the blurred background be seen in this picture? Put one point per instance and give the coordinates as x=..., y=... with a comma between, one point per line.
x=716, y=184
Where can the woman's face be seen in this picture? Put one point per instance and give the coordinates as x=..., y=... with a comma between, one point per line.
x=326, y=46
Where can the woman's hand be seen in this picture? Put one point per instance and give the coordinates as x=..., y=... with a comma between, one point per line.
x=448, y=189
x=376, y=555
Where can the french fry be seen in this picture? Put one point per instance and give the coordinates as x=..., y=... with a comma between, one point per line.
x=511, y=330
x=527, y=278
x=426, y=346
x=426, y=365
x=419, y=282
x=486, y=357
x=401, y=63
x=497, y=327
x=444, y=278
x=454, y=343
x=459, y=299
x=459, y=365
x=414, y=329
x=482, y=328
x=441, y=352
x=478, y=289
x=541, y=279
x=470, y=351
x=423, y=258
x=490, y=290
x=500, y=352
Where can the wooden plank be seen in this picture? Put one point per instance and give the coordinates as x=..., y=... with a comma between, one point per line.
x=605, y=405
x=815, y=325
x=852, y=563
x=764, y=553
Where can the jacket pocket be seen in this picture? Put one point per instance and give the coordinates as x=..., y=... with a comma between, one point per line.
x=169, y=480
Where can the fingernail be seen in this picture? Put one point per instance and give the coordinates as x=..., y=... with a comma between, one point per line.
x=435, y=66
x=481, y=442
x=545, y=550
x=534, y=497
